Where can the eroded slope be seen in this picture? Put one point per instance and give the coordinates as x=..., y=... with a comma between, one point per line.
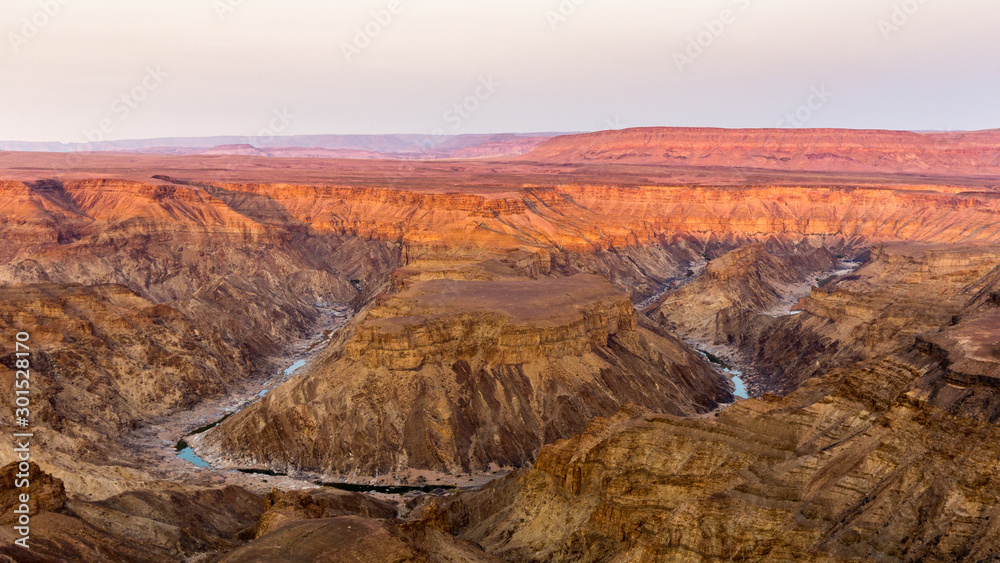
x=459, y=376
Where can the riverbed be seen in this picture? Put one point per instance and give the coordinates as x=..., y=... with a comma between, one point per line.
x=159, y=442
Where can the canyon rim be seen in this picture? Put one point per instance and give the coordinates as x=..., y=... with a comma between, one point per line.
x=545, y=281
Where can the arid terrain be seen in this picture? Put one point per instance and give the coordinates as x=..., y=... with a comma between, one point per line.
x=545, y=341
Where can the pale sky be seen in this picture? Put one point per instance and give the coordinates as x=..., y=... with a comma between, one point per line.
x=228, y=67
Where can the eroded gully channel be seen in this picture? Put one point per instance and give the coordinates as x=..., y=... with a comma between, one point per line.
x=727, y=360
x=167, y=440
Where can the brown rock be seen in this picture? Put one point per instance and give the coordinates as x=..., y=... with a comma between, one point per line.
x=46, y=493
x=284, y=507
x=455, y=376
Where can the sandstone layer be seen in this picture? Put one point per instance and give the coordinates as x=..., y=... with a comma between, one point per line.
x=892, y=456
x=751, y=279
x=247, y=265
x=459, y=376
x=495, y=302
x=796, y=149
x=903, y=291
x=143, y=300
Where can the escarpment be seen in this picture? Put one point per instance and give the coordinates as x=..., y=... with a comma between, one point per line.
x=573, y=217
x=504, y=322
x=146, y=300
x=248, y=264
x=102, y=361
x=457, y=376
x=793, y=149
x=903, y=291
x=495, y=328
x=852, y=466
x=752, y=279
x=888, y=454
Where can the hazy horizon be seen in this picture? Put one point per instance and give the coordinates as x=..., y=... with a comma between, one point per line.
x=134, y=70
x=276, y=141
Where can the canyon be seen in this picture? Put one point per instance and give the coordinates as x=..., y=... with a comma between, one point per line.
x=530, y=323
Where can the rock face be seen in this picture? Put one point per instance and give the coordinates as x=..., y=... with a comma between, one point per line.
x=283, y=508
x=104, y=359
x=353, y=539
x=143, y=300
x=457, y=376
x=891, y=456
x=229, y=524
x=496, y=320
x=751, y=279
x=903, y=291
x=331, y=525
x=849, y=467
x=138, y=526
x=47, y=494
x=795, y=149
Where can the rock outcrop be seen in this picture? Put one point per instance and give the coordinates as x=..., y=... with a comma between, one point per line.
x=752, y=279
x=354, y=539
x=177, y=523
x=459, y=376
x=788, y=149
x=850, y=467
x=903, y=291
x=139, y=526
x=891, y=455
x=285, y=507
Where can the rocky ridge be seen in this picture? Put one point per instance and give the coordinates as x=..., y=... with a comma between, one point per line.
x=460, y=376
x=888, y=457
x=797, y=149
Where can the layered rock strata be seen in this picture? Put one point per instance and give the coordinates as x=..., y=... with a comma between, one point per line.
x=752, y=279
x=788, y=149
x=853, y=466
x=459, y=376
x=139, y=526
x=888, y=456
x=904, y=291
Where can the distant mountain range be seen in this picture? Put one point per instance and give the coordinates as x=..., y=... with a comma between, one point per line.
x=818, y=150
x=972, y=153
x=322, y=146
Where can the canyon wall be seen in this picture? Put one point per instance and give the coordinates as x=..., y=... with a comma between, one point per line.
x=247, y=264
x=891, y=455
x=569, y=217
x=458, y=376
x=788, y=149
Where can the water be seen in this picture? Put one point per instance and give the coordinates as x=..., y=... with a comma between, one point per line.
x=735, y=375
x=386, y=489
x=187, y=454
x=741, y=388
